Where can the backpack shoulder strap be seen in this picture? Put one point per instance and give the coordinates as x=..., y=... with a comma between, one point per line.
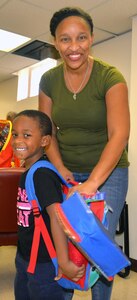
x=29, y=183
x=39, y=227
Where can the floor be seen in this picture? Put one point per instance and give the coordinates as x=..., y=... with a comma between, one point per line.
x=124, y=289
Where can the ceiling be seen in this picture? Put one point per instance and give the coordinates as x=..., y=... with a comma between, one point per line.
x=31, y=18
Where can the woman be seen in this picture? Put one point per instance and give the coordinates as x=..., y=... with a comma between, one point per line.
x=87, y=101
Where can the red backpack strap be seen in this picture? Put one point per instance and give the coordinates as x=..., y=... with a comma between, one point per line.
x=39, y=228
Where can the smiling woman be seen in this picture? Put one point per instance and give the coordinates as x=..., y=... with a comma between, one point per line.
x=87, y=100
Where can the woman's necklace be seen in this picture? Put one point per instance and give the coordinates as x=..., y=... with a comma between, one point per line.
x=82, y=83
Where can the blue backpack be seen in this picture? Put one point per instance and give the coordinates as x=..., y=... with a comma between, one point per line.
x=90, y=245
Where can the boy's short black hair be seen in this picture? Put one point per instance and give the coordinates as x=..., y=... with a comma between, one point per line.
x=68, y=12
x=44, y=121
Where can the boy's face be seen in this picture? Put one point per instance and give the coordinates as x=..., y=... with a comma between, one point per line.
x=27, y=141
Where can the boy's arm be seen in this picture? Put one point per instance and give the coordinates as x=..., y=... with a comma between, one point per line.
x=68, y=268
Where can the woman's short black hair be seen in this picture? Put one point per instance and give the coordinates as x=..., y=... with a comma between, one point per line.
x=43, y=120
x=68, y=12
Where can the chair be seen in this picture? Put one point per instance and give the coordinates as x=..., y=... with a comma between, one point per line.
x=124, y=229
x=9, y=180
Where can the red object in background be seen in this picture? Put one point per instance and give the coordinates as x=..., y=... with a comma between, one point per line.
x=7, y=158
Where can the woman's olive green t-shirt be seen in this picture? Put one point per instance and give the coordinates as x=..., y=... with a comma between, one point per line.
x=82, y=123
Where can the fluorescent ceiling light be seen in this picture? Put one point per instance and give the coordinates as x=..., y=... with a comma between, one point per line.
x=10, y=40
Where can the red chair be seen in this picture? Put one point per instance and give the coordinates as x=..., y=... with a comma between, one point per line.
x=9, y=180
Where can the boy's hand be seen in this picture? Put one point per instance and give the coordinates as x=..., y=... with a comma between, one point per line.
x=71, y=271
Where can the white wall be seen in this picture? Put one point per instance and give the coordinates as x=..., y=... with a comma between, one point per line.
x=8, y=91
x=132, y=193
x=117, y=51
x=8, y=96
x=122, y=52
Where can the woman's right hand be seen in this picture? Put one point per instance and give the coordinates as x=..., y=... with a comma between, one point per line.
x=66, y=173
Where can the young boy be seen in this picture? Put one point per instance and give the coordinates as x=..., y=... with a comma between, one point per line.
x=32, y=132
